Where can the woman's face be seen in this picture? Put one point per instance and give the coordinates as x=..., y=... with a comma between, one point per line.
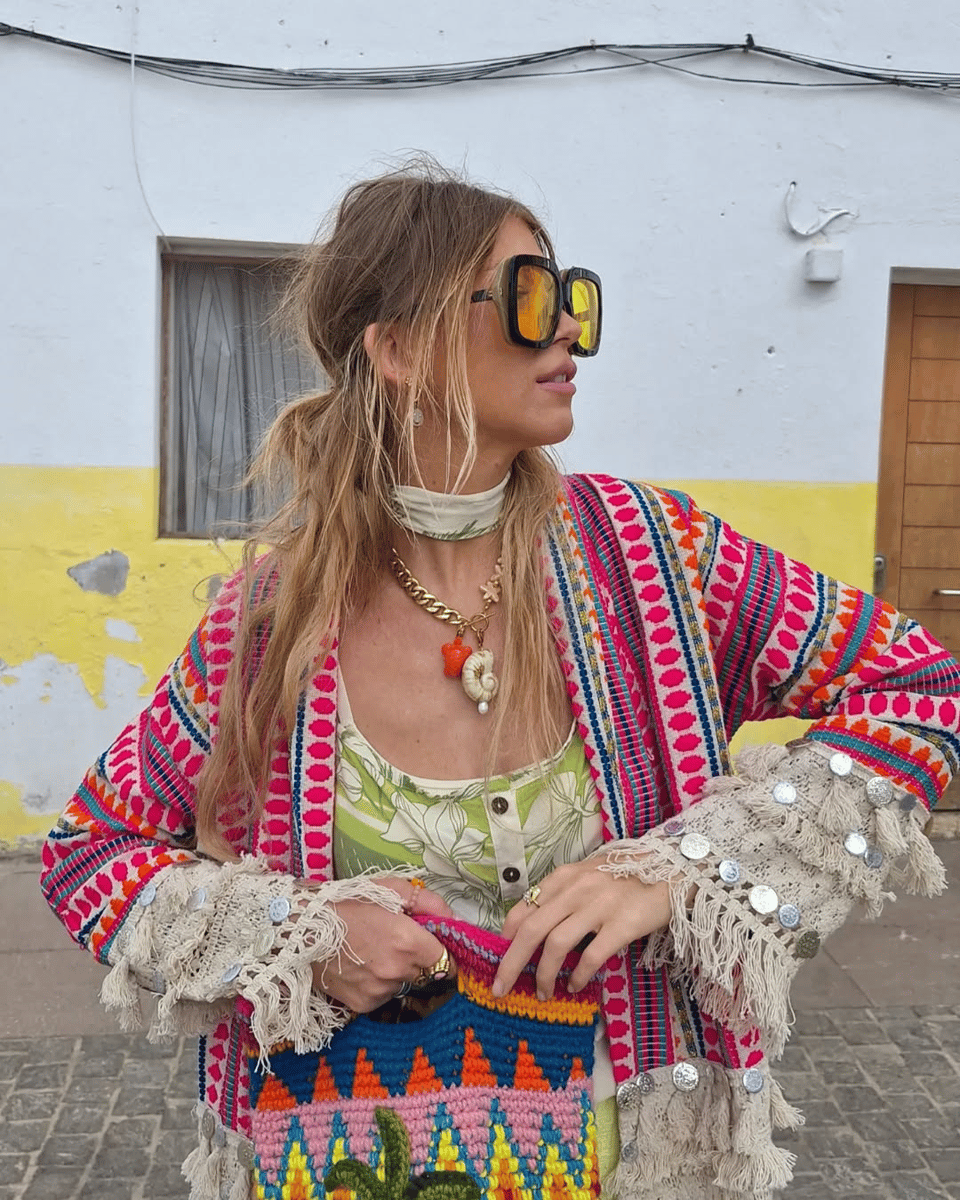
x=522, y=397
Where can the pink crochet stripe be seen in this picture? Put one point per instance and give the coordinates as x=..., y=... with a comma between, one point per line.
x=471, y=1109
x=478, y=953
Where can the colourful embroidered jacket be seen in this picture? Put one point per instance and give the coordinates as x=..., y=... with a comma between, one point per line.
x=673, y=630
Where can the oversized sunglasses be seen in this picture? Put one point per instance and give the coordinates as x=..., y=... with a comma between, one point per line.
x=530, y=292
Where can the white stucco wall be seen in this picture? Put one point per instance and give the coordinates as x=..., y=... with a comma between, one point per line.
x=719, y=361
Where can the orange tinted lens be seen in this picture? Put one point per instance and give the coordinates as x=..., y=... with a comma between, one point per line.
x=537, y=303
x=586, y=310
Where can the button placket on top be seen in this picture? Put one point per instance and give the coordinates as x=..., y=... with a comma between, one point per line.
x=506, y=835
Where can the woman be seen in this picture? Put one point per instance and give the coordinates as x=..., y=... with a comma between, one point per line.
x=552, y=760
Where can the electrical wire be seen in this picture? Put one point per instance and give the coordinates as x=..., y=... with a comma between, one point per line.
x=134, y=10
x=567, y=61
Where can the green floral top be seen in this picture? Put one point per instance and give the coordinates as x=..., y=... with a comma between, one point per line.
x=478, y=847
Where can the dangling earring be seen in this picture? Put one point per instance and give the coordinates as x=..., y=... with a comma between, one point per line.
x=417, y=415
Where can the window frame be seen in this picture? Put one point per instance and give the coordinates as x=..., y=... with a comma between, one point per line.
x=196, y=251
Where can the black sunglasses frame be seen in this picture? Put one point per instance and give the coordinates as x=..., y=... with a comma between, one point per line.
x=503, y=293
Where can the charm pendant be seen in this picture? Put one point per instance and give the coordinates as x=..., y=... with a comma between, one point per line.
x=455, y=654
x=478, y=680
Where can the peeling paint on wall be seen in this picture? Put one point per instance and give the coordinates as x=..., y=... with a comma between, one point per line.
x=122, y=631
x=49, y=726
x=107, y=573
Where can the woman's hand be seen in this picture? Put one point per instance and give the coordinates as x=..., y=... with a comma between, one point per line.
x=383, y=950
x=575, y=901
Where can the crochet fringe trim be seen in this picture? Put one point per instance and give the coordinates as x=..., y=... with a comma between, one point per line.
x=710, y=1144
x=214, y=1170
x=279, y=987
x=732, y=962
x=841, y=809
x=735, y=972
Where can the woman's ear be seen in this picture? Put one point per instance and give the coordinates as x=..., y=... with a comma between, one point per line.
x=385, y=352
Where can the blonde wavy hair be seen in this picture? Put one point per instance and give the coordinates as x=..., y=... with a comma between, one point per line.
x=402, y=253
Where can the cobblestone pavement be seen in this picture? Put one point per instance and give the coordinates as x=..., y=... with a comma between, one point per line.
x=108, y=1117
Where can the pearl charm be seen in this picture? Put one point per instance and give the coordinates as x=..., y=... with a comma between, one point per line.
x=483, y=708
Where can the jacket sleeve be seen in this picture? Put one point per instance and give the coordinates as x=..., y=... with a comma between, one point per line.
x=120, y=872
x=768, y=861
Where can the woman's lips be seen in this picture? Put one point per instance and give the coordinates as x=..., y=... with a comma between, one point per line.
x=560, y=381
x=559, y=385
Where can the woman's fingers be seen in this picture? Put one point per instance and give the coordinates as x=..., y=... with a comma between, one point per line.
x=578, y=906
x=531, y=928
x=383, y=952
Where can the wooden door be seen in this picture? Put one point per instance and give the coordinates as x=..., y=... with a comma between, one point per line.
x=918, y=509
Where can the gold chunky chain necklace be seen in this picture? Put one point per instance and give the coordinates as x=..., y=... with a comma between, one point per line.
x=474, y=668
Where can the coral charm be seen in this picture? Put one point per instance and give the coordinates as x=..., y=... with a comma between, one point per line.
x=455, y=654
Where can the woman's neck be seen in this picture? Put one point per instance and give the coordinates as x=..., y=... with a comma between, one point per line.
x=449, y=569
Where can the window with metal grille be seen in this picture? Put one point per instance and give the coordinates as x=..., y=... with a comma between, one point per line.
x=227, y=372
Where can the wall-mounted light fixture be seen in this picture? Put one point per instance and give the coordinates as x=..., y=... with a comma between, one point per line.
x=821, y=264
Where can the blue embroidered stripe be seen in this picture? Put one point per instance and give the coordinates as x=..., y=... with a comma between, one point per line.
x=194, y=724
x=898, y=764
x=763, y=601
x=648, y=810
x=638, y=775
x=946, y=742
x=296, y=788
x=588, y=689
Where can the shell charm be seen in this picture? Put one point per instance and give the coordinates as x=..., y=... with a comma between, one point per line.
x=478, y=679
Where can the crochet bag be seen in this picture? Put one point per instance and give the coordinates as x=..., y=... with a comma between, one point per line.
x=482, y=1097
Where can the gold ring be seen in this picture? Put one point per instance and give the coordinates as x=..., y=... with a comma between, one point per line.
x=435, y=974
x=441, y=968
x=531, y=894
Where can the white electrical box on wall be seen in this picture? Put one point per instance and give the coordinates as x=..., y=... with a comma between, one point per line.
x=823, y=265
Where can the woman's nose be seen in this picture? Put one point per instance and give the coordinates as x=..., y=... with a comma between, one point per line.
x=568, y=328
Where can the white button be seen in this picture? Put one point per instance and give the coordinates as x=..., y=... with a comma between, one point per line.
x=784, y=793
x=729, y=870
x=279, y=909
x=231, y=973
x=148, y=895
x=841, y=764
x=855, y=843
x=685, y=1077
x=694, y=846
x=763, y=899
x=628, y=1094
x=196, y=900
x=879, y=791
x=753, y=1080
